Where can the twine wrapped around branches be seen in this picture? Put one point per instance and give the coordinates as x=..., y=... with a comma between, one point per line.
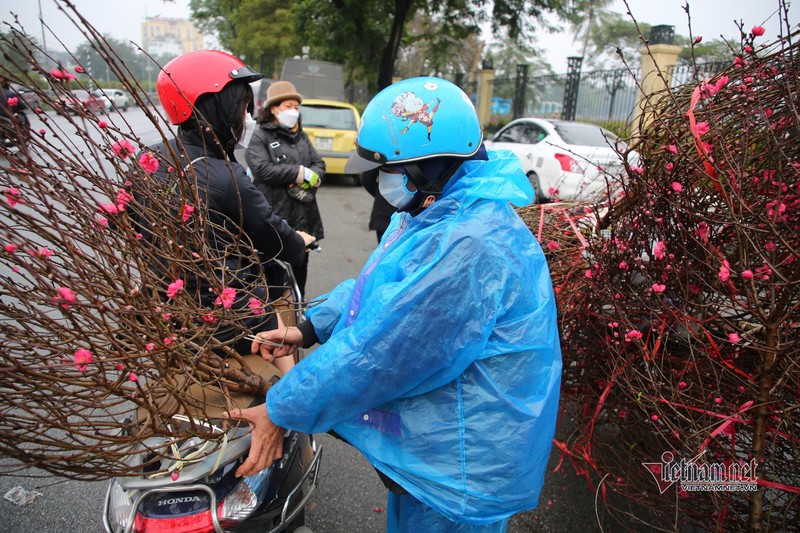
x=98, y=350
x=680, y=312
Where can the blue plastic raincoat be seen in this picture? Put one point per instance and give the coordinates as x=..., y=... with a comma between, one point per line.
x=441, y=363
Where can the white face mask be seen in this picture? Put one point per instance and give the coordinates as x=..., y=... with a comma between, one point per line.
x=392, y=186
x=288, y=118
x=249, y=128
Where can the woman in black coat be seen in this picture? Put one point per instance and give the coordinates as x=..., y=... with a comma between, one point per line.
x=210, y=110
x=285, y=166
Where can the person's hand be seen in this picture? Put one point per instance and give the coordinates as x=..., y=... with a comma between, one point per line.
x=310, y=179
x=301, y=175
x=307, y=239
x=277, y=343
x=266, y=439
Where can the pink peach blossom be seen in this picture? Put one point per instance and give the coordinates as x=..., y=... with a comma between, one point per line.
x=43, y=253
x=123, y=197
x=82, y=357
x=747, y=274
x=633, y=335
x=187, y=212
x=65, y=297
x=122, y=148
x=256, y=305
x=13, y=196
x=659, y=250
x=174, y=288
x=148, y=162
x=109, y=208
x=734, y=338
x=724, y=271
x=226, y=298
x=757, y=31
x=658, y=287
x=61, y=74
x=677, y=187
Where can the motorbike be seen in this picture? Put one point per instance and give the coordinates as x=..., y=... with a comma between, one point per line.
x=15, y=131
x=203, y=495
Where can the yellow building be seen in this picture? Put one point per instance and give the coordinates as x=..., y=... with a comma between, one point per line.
x=171, y=36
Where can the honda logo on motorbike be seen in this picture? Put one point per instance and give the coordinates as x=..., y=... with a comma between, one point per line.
x=185, y=499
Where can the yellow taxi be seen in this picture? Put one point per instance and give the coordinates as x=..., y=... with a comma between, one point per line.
x=332, y=127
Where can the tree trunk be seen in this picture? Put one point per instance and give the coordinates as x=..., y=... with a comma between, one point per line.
x=386, y=70
x=765, y=383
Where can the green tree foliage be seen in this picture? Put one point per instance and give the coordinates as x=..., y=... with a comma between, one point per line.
x=705, y=51
x=368, y=35
x=126, y=56
x=427, y=51
x=613, y=33
x=13, y=60
x=507, y=54
x=260, y=31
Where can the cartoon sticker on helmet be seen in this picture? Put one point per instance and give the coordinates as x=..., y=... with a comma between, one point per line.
x=410, y=108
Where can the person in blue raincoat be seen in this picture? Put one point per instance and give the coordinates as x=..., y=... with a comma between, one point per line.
x=441, y=363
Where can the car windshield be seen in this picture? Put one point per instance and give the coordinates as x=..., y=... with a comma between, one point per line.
x=584, y=134
x=81, y=95
x=336, y=118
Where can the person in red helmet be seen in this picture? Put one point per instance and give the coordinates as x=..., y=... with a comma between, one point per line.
x=207, y=94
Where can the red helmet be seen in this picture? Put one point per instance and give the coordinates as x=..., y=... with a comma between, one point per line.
x=184, y=79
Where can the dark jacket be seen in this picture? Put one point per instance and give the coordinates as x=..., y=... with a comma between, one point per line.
x=232, y=203
x=6, y=111
x=273, y=178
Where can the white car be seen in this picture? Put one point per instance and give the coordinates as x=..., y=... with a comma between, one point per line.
x=114, y=99
x=564, y=160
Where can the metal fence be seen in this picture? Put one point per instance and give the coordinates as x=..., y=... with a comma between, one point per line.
x=683, y=74
x=603, y=96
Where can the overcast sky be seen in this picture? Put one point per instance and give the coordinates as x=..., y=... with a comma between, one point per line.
x=122, y=19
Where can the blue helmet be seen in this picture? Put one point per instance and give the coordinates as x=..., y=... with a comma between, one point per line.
x=414, y=120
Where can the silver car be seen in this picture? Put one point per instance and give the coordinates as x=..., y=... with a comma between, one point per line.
x=114, y=99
